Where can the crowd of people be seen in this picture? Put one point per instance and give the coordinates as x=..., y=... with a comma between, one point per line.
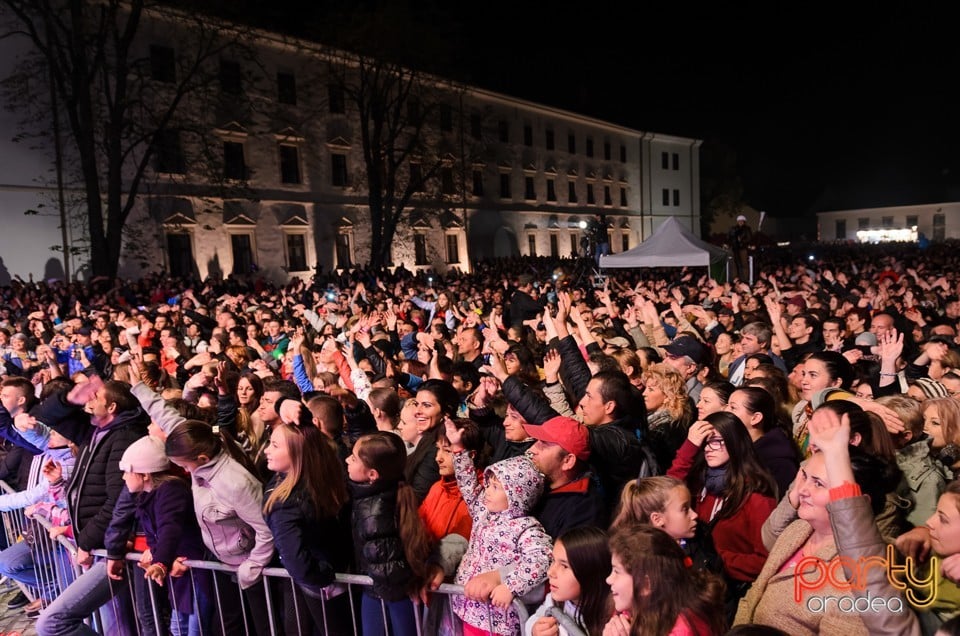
x=646, y=452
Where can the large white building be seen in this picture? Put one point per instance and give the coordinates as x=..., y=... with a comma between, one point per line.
x=541, y=173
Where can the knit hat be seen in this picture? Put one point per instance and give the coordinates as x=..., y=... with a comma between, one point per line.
x=931, y=388
x=145, y=456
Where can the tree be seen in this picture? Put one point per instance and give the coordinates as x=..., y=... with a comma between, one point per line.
x=410, y=121
x=399, y=115
x=121, y=99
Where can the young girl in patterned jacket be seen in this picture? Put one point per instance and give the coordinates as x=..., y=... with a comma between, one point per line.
x=509, y=551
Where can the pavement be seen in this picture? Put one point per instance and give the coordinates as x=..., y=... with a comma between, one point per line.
x=14, y=621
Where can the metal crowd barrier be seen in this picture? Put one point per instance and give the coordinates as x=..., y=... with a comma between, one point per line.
x=52, y=559
x=59, y=571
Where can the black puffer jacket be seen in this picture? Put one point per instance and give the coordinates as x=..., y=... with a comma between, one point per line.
x=376, y=539
x=97, y=479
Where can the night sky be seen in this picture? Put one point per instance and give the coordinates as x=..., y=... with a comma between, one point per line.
x=822, y=109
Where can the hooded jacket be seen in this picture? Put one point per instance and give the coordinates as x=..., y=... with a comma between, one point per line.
x=510, y=541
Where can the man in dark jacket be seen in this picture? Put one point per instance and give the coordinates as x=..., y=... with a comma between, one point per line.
x=116, y=421
x=522, y=305
x=571, y=499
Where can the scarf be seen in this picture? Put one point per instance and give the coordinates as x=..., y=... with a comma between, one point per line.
x=715, y=480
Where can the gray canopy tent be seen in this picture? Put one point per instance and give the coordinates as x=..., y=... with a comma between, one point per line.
x=671, y=245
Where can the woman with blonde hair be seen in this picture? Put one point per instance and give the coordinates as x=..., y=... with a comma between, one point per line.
x=669, y=411
x=305, y=507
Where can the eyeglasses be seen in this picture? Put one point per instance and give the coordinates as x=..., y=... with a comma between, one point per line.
x=715, y=443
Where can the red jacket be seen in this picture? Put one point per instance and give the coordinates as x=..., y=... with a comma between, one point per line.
x=736, y=538
x=445, y=512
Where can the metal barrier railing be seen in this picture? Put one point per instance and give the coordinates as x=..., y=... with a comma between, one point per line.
x=55, y=572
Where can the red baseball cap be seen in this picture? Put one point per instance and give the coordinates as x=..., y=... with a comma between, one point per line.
x=566, y=432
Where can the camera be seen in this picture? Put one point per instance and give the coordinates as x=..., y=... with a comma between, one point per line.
x=331, y=295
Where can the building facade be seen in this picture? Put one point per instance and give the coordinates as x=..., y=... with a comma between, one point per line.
x=936, y=222
x=279, y=185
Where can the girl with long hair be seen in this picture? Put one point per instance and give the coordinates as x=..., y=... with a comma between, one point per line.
x=304, y=506
x=390, y=542
x=776, y=450
x=734, y=493
x=662, y=502
x=581, y=562
x=655, y=592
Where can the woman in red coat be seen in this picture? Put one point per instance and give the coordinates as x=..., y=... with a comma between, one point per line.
x=734, y=494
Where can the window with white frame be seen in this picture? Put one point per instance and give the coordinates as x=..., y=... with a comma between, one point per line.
x=295, y=251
